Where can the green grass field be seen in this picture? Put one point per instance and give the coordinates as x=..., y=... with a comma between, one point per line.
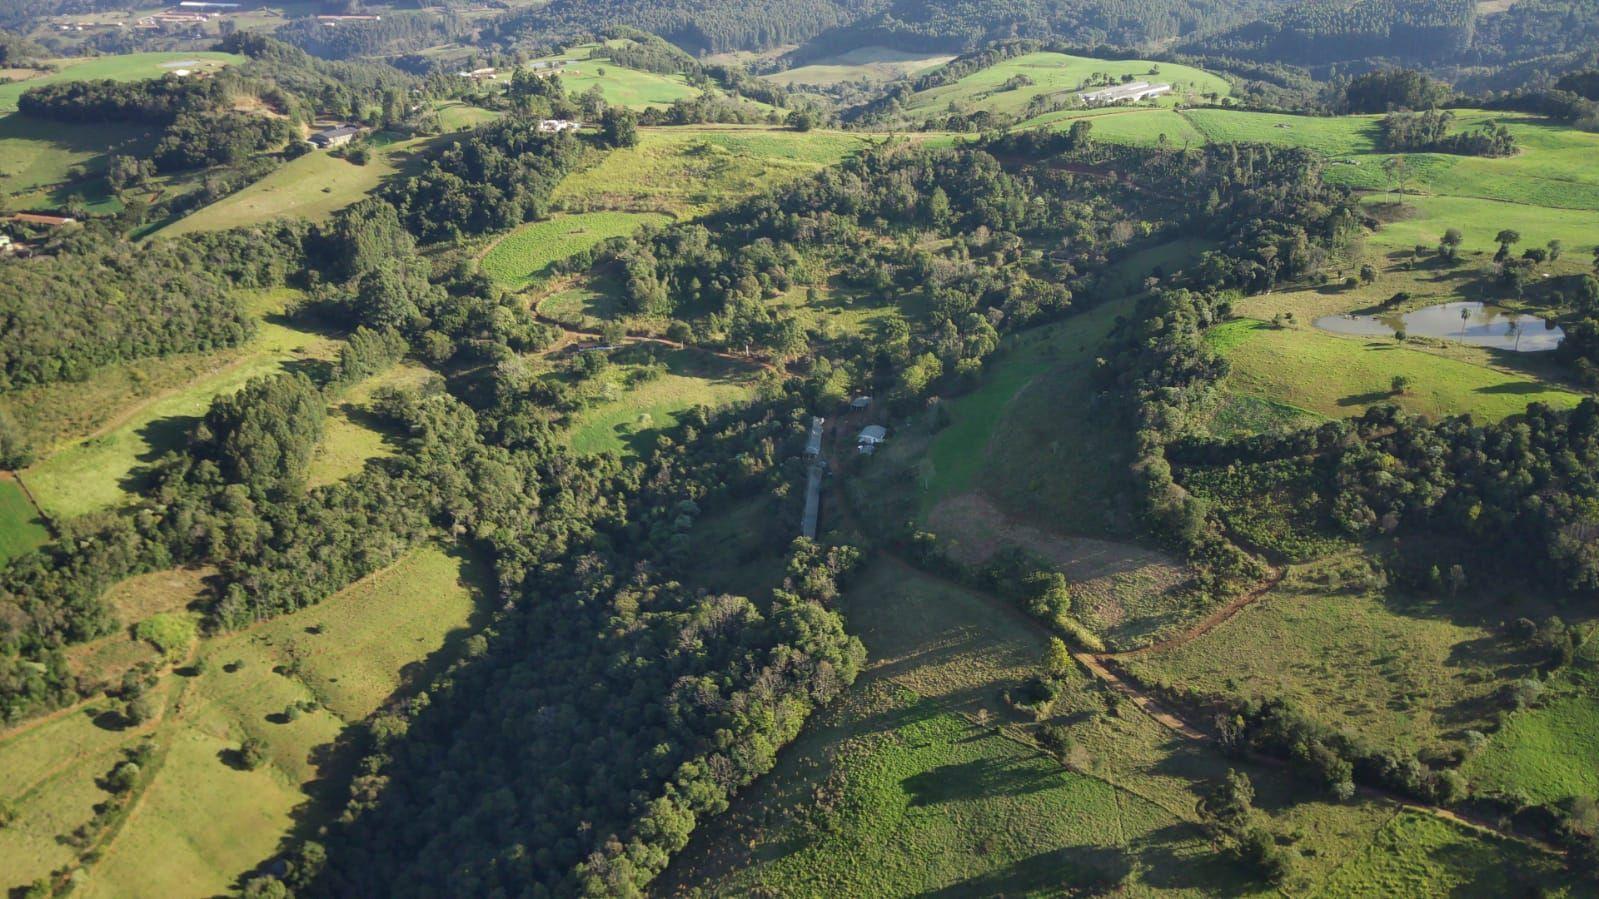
x=688, y=171
x=95, y=472
x=35, y=154
x=1328, y=135
x=350, y=437
x=1056, y=74
x=1549, y=753
x=201, y=822
x=873, y=64
x=626, y=418
x=523, y=256
x=621, y=85
x=20, y=526
x=1419, y=856
x=1406, y=673
x=313, y=187
x=123, y=67
x=1338, y=377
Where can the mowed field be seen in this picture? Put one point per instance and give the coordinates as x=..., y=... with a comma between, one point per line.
x=199, y=822
x=95, y=470
x=586, y=67
x=1057, y=74
x=121, y=67
x=1341, y=377
x=522, y=257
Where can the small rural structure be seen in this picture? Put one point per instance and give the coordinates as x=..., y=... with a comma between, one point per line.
x=556, y=126
x=860, y=402
x=336, y=136
x=813, y=443
x=49, y=221
x=1131, y=92
x=813, y=497
x=870, y=438
x=486, y=73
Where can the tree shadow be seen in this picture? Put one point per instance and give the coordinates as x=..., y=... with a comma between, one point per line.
x=977, y=779
x=1077, y=870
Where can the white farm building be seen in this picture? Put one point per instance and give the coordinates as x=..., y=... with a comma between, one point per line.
x=1131, y=92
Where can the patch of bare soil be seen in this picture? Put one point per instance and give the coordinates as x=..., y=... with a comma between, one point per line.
x=1112, y=582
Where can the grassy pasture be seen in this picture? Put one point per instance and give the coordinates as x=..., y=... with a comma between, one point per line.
x=524, y=256
x=36, y=154
x=621, y=85
x=1055, y=73
x=20, y=526
x=875, y=64
x=350, y=438
x=202, y=822
x=626, y=417
x=1419, y=856
x=1479, y=220
x=1337, y=377
x=1328, y=135
x=1549, y=753
x=688, y=171
x=122, y=67
x=1402, y=672
x=96, y=472
x=314, y=186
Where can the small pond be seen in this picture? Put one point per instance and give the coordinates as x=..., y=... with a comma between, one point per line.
x=1480, y=325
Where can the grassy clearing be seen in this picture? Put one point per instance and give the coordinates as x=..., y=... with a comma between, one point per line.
x=873, y=64
x=586, y=67
x=1402, y=672
x=524, y=256
x=203, y=822
x=1340, y=377
x=627, y=417
x=1417, y=855
x=351, y=437
x=1549, y=753
x=21, y=529
x=123, y=67
x=36, y=154
x=688, y=171
x=1056, y=74
x=1479, y=220
x=1328, y=135
x=1147, y=128
x=97, y=472
x=313, y=187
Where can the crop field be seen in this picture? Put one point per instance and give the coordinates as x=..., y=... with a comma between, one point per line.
x=627, y=417
x=95, y=472
x=688, y=171
x=20, y=526
x=873, y=64
x=351, y=437
x=1549, y=753
x=1340, y=377
x=123, y=67
x=1402, y=672
x=1056, y=73
x=35, y=154
x=200, y=821
x=523, y=256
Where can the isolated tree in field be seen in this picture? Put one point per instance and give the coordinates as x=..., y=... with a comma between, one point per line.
x=1368, y=274
x=619, y=127
x=1400, y=385
x=1555, y=248
x=1449, y=244
x=1058, y=659
x=1596, y=259
x=1505, y=239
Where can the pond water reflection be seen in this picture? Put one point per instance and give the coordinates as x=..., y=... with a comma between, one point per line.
x=1477, y=324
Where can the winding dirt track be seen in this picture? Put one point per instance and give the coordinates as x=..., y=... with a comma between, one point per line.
x=1132, y=691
